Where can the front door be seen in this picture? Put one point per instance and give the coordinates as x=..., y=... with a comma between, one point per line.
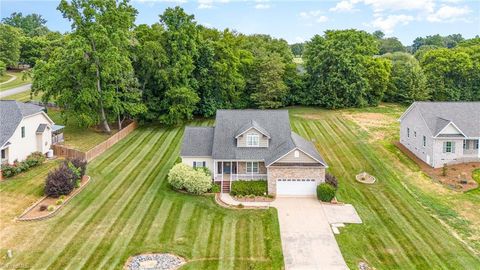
x=227, y=167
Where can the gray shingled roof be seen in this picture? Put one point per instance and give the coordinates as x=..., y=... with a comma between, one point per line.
x=252, y=124
x=220, y=143
x=465, y=115
x=11, y=114
x=197, y=141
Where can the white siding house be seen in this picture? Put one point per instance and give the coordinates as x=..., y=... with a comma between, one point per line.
x=25, y=128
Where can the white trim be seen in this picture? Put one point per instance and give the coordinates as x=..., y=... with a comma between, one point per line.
x=250, y=127
x=25, y=117
x=455, y=126
x=296, y=148
x=407, y=111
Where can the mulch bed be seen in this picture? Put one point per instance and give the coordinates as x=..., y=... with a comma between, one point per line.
x=254, y=199
x=33, y=212
x=455, y=172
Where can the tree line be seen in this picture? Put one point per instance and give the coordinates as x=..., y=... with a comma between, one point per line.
x=107, y=68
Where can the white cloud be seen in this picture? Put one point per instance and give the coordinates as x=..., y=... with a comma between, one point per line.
x=388, y=23
x=204, y=4
x=344, y=6
x=314, y=15
x=448, y=14
x=396, y=5
x=262, y=4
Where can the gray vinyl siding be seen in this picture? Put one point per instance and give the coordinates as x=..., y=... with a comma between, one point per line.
x=242, y=140
x=415, y=123
x=302, y=158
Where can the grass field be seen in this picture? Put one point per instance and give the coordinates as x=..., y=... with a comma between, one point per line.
x=409, y=221
x=79, y=137
x=128, y=209
x=17, y=82
x=402, y=212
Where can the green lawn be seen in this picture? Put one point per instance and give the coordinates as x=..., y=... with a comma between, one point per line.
x=401, y=212
x=76, y=136
x=17, y=82
x=128, y=209
x=409, y=220
x=23, y=97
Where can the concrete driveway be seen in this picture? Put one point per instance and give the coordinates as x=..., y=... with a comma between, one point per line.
x=307, y=238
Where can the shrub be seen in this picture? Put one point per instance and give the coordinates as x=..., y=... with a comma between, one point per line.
x=215, y=188
x=244, y=188
x=444, y=169
x=80, y=164
x=325, y=192
x=59, y=202
x=78, y=183
x=62, y=197
x=51, y=208
x=205, y=170
x=331, y=180
x=34, y=159
x=184, y=177
x=60, y=181
x=43, y=207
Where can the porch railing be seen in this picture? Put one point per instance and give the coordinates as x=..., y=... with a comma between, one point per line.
x=234, y=177
x=57, y=138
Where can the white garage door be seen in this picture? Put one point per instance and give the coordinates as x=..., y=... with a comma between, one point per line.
x=296, y=187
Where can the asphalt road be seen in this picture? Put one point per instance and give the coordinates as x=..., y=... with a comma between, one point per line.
x=15, y=90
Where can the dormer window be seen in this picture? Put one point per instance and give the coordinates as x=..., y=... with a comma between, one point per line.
x=253, y=140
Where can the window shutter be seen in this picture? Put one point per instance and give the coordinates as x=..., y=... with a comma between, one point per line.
x=194, y=164
x=453, y=147
x=204, y=164
x=444, y=147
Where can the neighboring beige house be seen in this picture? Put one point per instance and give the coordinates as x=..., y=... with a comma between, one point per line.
x=442, y=132
x=255, y=144
x=25, y=128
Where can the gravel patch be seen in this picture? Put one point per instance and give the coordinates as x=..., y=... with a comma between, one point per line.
x=159, y=261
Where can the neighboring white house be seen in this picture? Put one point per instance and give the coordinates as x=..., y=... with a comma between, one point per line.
x=24, y=128
x=442, y=132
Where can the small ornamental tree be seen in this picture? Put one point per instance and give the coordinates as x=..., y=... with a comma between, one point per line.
x=184, y=177
x=80, y=164
x=61, y=181
x=331, y=180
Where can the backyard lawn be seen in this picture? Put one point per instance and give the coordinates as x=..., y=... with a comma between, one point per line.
x=17, y=82
x=128, y=209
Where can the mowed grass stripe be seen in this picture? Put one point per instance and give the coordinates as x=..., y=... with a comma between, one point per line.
x=125, y=225
x=121, y=203
x=393, y=223
x=227, y=245
x=199, y=248
x=89, y=194
x=86, y=219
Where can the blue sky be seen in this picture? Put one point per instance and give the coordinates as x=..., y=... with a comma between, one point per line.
x=298, y=21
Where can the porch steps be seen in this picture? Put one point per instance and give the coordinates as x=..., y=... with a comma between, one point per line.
x=226, y=186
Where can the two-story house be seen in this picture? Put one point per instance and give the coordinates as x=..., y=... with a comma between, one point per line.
x=442, y=132
x=255, y=144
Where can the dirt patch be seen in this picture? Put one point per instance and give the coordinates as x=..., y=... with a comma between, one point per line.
x=458, y=177
x=374, y=123
x=39, y=211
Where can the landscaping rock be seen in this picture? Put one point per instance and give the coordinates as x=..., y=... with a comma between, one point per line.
x=161, y=261
x=363, y=266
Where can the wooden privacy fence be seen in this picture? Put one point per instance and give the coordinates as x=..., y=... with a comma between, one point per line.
x=63, y=151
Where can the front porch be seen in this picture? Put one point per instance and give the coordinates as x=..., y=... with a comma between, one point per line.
x=227, y=171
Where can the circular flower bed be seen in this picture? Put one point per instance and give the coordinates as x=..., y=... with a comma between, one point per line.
x=159, y=261
x=365, y=178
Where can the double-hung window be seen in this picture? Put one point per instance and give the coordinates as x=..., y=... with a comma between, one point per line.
x=448, y=147
x=253, y=140
x=466, y=144
x=252, y=167
x=197, y=164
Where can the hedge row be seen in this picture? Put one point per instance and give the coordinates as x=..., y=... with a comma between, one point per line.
x=245, y=188
x=34, y=159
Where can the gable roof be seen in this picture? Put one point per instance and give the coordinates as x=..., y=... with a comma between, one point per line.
x=465, y=116
x=228, y=123
x=11, y=114
x=250, y=125
x=197, y=142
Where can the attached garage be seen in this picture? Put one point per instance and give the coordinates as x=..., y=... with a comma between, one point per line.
x=296, y=187
x=295, y=180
